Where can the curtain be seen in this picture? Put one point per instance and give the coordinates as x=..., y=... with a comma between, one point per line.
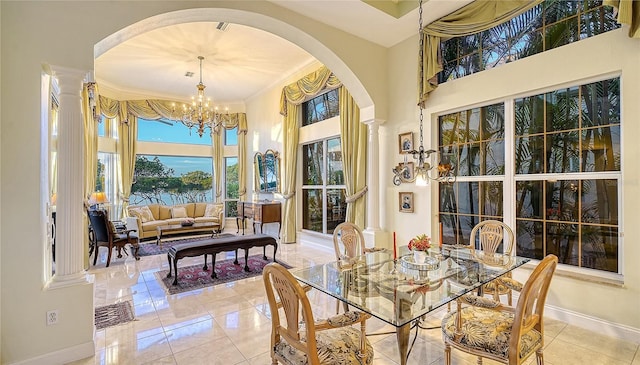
x=353, y=142
x=473, y=18
x=126, y=150
x=242, y=156
x=230, y=121
x=292, y=96
x=628, y=13
x=289, y=182
x=163, y=109
x=218, y=157
x=90, y=157
x=90, y=142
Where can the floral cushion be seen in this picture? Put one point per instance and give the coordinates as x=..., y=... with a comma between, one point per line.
x=488, y=331
x=144, y=213
x=335, y=347
x=213, y=210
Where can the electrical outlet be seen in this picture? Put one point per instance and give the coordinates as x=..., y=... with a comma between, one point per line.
x=52, y=317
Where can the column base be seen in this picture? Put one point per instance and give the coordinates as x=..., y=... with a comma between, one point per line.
x=63, y=281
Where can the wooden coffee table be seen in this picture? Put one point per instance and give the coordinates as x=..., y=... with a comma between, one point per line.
x=178, y=228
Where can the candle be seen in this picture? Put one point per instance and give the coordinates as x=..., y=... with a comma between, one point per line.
x=395, y=247
x=440, y=241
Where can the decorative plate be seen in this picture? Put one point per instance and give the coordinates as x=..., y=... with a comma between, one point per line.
x=430, y=263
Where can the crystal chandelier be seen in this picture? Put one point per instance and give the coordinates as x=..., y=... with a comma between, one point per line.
x=445, y=169
x=199, y=113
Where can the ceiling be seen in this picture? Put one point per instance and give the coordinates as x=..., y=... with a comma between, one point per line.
x=241, y=61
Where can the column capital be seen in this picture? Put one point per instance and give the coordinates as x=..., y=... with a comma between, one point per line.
x=69, y=79
x=374, y=122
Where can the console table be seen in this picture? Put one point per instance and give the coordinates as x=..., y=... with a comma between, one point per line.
x=260, y=213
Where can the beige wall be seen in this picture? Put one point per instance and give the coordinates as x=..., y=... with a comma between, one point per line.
x=64, y=34
x=603, y=56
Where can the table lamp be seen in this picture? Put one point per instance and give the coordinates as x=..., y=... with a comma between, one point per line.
x=97, y=199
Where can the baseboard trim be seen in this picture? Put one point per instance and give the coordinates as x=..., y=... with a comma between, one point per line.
x=594, y=324
x=63, y=356
x=607, y=328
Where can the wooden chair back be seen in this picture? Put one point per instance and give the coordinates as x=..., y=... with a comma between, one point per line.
x=348, y=241
x=492, y=234
x=529, y=311
x=284, y=291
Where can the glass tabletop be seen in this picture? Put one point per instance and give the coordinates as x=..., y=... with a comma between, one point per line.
x=400, y=291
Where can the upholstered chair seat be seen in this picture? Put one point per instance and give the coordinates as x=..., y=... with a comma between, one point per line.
x=488, y=331
x=334, y=347
x=298, y=339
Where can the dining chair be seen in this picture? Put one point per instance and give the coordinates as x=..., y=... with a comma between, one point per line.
x=349, y=246
x=489, y=329
x=297, y=338
x=492, y=236
x=348, y=243
x=104, y=234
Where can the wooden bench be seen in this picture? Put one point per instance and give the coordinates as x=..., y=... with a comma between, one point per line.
x=212, y=246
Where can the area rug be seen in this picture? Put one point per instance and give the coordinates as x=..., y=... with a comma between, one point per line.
x=193, y=277
x=113, y=314
x=150, y=248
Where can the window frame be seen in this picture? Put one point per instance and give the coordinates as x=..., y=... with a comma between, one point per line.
x=510, y=178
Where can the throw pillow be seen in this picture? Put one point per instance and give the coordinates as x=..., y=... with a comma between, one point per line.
x=178, y=212
x=145, y=214
x=213, y=210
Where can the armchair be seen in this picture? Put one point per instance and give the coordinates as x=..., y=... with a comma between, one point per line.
x=331, y=341
x=509, y=335
x=105, y=235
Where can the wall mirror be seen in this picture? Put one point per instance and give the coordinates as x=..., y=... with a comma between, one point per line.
x=267, y=171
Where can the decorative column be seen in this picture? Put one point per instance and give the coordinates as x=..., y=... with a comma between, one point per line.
x=373, y=233
x=69, y=269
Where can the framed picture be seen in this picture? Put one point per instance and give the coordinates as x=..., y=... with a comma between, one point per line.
x=405, y=142
x=408, y=175
x=405, y=201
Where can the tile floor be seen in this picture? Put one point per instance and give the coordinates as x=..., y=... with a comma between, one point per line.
x=226, y=324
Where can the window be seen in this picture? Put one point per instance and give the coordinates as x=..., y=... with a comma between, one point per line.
x=323, y=190
x=566, y=178
x=320, y=108
x=171, y=180
x=476, y=138
x=170, y=132
x=108, y=127
x=549, y=25
x=567, y=158
x=232, y=186
x=106, y=181
x=231, y=137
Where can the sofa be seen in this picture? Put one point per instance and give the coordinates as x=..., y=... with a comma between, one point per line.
x=146, y=218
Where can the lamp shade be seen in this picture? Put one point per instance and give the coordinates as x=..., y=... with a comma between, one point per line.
x=99, y=197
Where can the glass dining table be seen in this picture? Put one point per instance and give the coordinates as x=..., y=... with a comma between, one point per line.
x=402, y=292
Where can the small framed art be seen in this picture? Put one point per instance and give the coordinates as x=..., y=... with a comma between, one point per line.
x=408, y=174
x=405, y=200
x=405, y=142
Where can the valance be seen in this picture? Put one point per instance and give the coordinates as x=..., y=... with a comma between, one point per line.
x=628, y=13
x=308, y=87
x=158, y=109
x=478, y=16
